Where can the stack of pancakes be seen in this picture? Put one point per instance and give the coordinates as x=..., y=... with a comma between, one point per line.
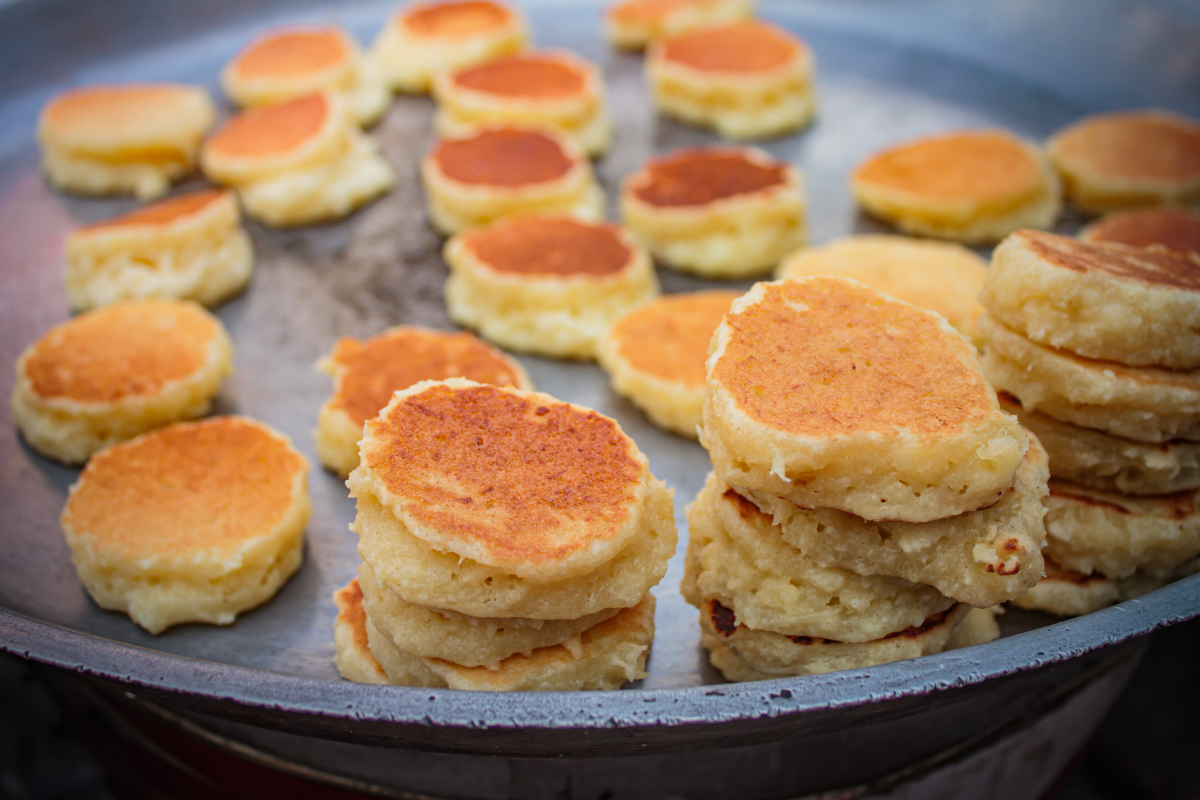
x=509, y=542
x=867, y=488
x=1096, y=345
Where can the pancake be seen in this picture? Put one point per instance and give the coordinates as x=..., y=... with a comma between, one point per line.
x=367, y=373
x=552, y=89
x=1104, y=301
x=352, y=647
x=546, y=284
x=123, y=139
x=828, y=393
x=190, y=247
x=297, y=162
x=727, y=212
x=1145, y=404
x=1072, y=594
x=655, y=354
x=502, y=171
x=292, y=62
x=1129, y=159
x=116, y=372
x=937, y=276
x=633, y=24
x=1175, y=229
x=745, y=79
x=196, y=522
x=423, y=40
x=974, y=187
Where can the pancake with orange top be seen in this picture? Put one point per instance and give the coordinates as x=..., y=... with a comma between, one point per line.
x=655, y=354
x=367, y=373
x=504, y=170
x=196, y=522
x=292, y=62
x=552, y=89
x=190, y=247
x=828, y=393
x=974, y=187
x=116, y=372
x=745, y=79
x=1175, y=229
x=424, y=39
x=545, y=283
x=297, y=162
x=718, y=212
x=634, y=24
x=123, y=139
x=495, y=502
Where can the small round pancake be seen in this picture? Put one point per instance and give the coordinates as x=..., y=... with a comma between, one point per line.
x=655, y=355
x=367, y=373
x=196, y=522
x=114, y=373
x=606, y=657
x=1072, y=594
x=737, y=556
x=633, y=24
x=744, y=79
x=974, y=187
x=352, y=647
x=938, y=276
x=1105, y=301
x=190, y=247
x=1145, y=404
x=718, y=212
x=424, y=40
x=502, y=171
x=495, y=502
x=1175, y=229
x=1129, y=159
x=546, y=284
x=292, y=62
x=828, y=393
x=134, y=138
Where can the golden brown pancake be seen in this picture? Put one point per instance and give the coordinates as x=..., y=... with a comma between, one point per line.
x=349, y=602
x=272, y=130
x=669, y=337
x=553, y=246
x=127, y=116
x=1133, y=146
x=508, y=157
x=1174, y=269
x=1173, y=228
x=698, y=176
x=164, y=212
x=534, y=77
x=740, y=47
x=292, y=53
x=454, y=20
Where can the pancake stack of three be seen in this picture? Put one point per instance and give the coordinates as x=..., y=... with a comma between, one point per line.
x=1096, y=346
x=867, y=488
x=509, y=542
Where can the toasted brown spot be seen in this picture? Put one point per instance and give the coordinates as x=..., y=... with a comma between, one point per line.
x=503, y=157
x=349, y=601
x=697, y=176
x=724, y=621
x=204, y=487
x=825, y=356
x=455, y=20
x=1134, y=145
x=550, y=246
x=543, y=486
x=123, y=350
x=929, y=624
x=292, y=53
x=669, y=337
x=527, y=76
x=271, y=130
x=375, y=369
x=122, y=111
x=1173, y=228
x=746, y=509
x=1153, y=266
x=165, y=212
x=738, y=47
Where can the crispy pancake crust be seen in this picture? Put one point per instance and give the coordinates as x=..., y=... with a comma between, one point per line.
x=528, y=76
x=272, y=131
x=745, y=47
x=550, y=247
x=1173, y=228
x=505, y=157
x=352, y=646
x=700, y=176
x=292, y=54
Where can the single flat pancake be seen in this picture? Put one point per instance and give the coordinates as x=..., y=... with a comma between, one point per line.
x=532, y=77
x=455, y=20
x=122, y=351
x=1173, y=228
x=550, y=246
x=669, y=338
x=699, y=176
x=165, y=212
x=741, y=47
x=293, y=54
x=1173, y=269
x=203, y=488
x=272, y=130
x=507, y=157
x=134, y=115
x=1133, y=146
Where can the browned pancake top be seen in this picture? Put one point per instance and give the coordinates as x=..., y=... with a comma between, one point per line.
x=1134, y=145
x=204, y=487
x=121, y=111
x=455, y=20
x=506, y=157
x=526, y=478
x=123, y=350
x=294, y=53
x=374, y=370
x=826, y=357
x=669, y=337
x=535, y=77
x=742, y=47
x=650, y=11
x=982, y=166
x=1172, y=228
x=271, y=130
x=697, y=176
x=349, y=602
x=549, y=246
x=164, y=212
x=1174, y=269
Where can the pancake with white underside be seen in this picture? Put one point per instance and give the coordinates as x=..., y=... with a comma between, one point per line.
x=634, y=24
